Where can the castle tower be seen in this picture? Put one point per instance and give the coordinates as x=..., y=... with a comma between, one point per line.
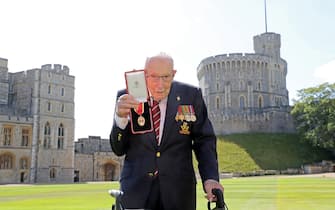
x=53, y=116
x=247, y=92
x=37, y=125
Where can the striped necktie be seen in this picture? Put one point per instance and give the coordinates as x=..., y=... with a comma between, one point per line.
x=156, y=117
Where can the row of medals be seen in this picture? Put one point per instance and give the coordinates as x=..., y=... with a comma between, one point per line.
x=188, y=117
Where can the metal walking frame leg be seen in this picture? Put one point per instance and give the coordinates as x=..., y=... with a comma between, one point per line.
x=116, y=194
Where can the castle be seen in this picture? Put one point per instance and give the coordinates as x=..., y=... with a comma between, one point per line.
x=247, y=92
x=243, y=93
x=37, y=131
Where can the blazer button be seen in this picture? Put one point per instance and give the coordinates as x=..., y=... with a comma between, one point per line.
x=158, y=154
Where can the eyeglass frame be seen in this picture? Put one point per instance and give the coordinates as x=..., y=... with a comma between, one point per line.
x=165, y=78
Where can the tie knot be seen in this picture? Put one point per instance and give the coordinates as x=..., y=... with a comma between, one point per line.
x=155, y=103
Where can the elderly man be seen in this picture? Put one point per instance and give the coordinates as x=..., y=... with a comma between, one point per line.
x=158, y=169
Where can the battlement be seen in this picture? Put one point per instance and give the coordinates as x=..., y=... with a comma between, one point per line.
x=233, y=57
x=15, y=119
x=269, y=37
x=56, y=67
x=3, y=63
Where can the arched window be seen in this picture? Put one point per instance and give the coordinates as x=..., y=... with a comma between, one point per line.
x=60, y=141
x=62, y=108
x=53, y=173
x=217, y=103
x=24, y=163
x=47, y=136
x=25, y=137
x=49, y=89
x=49, y=106
x=6, y=161
x=260, y=102
x=242, y=102
x=7, y=136
x=62, y=92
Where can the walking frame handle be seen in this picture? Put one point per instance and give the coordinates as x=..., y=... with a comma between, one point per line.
x=220, y=204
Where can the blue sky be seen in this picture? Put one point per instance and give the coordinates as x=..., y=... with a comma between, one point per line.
x=100, y=39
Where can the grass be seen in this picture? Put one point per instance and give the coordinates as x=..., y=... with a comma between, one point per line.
x=236, y=153
x=256, y=193
x=250, y=152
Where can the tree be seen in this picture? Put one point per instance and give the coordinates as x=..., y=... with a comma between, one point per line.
x=314, y=115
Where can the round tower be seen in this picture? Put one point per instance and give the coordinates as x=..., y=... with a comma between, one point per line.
x=247, y=92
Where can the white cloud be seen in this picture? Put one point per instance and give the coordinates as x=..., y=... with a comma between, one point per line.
x=326, y=72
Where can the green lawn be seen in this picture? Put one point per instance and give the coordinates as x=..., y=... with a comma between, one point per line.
x=264, y=151
x=263, y=193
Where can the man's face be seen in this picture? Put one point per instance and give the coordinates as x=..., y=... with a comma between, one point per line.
x=159, y=73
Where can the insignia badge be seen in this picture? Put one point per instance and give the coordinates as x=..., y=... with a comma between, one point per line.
x=184, y=129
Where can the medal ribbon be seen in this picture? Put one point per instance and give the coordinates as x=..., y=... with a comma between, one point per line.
x=140, y=109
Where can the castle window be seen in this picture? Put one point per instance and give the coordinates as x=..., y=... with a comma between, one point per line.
x=60, y=141
x=259, y=86
x=53, y=173
x=217, y=103
x=62, y=92
x=49, y=89
x=6, y=161
x=241, y=85
x=217, y=86
x=49, y=106
x=23, y=163
x=47, y=136
x=62, y=108
x=7, y=136
x=242, y=102
x=260, y=102
x=25, y=137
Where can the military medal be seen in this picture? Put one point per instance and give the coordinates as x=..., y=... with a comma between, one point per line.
x=192, y=112
x=140, y=111
x=186, y=111
x=180, y=116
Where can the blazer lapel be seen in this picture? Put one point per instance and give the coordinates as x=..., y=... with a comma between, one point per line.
x=171, y=111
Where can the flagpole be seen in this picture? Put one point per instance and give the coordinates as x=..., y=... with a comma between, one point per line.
x=266, y=24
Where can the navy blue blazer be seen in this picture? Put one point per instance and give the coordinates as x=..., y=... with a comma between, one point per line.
x=173, y=158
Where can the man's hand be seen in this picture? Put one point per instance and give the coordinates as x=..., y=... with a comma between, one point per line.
x=209, y=185
x=124, y=104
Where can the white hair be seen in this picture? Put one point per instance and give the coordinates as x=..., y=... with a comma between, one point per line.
x=160, y=56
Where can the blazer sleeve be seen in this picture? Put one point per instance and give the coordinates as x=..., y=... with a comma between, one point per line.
x=204, y=141
x=118, y=137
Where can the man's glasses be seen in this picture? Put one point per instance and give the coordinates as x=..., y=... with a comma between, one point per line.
x=155, y=78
